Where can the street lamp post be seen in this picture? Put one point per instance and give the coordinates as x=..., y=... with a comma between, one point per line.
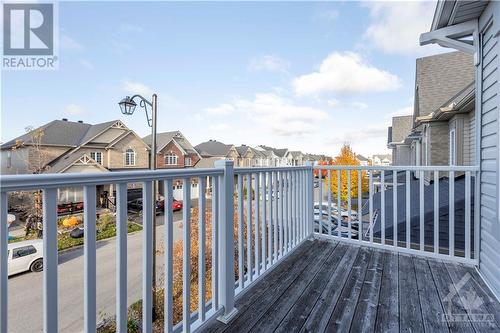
x=127, y=106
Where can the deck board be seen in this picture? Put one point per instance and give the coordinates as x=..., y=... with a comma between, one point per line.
x=337, y=287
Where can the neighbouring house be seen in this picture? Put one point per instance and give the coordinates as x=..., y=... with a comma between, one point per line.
x=63, y=146
x=381, y=159
x=295, y=158
x=443, y=83
x=269, y=158
x=214, y=148
x=248, y=157
x=174, y=151
x=363, y=161
x=474, y=28
x=280, y=155
x=397, y=134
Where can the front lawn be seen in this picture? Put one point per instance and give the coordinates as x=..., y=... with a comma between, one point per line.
x=65, y=241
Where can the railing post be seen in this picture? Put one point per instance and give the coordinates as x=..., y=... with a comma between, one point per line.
x=226, y=240
x=310, y=198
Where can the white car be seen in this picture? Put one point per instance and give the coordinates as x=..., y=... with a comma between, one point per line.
x=25, y=256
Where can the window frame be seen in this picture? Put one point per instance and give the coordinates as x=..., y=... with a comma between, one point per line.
x=452, y=147
x=130, y=155
x=169, y=157
x=94, y=154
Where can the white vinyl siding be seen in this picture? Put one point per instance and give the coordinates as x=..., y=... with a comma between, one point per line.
x=489, y=192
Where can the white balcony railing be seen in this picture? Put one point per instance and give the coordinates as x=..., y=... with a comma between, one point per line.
x=422, y=210
x=255, y=223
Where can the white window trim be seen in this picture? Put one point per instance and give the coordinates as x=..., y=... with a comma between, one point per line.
x=452, y=157
x=133, y=158
x=168, y=158
x=95, y=153
x=186, y=159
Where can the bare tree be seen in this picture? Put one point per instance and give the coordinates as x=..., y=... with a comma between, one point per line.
x=36, y=160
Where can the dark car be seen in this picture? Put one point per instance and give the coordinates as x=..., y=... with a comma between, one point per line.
x=135, y=205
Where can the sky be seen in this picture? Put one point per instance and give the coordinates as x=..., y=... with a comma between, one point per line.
x=308, y=76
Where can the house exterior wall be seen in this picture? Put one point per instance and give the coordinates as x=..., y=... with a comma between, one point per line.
x=171, y=147
x=437, y=148
x=116, y=155
x=22, y=158
x=487, y=84
x=401, y=155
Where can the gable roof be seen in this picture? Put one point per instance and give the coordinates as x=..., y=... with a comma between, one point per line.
x=212, y=148
x=361, y=158
x=63, y=133
x=279, y=152
x=68, y=160
x=163, y=139
x=440, y=77
x=401, y=128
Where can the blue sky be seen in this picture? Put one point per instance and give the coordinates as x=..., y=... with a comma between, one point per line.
x=307, y=76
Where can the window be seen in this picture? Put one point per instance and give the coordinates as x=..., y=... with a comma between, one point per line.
x=130, y=157
x=453, y=148
x=187, y=161
x=23, y=251
x=171, y=159
x=9, y=159
x=96, y=156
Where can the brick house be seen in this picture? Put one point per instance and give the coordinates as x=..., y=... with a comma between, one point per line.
x=174, y=151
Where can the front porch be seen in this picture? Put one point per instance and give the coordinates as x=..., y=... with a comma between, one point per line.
x=331, y=286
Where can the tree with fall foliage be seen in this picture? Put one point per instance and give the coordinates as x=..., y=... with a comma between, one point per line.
x=347, y=157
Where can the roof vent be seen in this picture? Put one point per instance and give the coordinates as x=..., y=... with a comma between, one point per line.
x=80, y=121
x=65, y=119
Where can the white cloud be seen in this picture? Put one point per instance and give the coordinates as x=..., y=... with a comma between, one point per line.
x=268, y=115
x=395, y=26
x=333, y=103
x=219, y=127
x=74, y=110
x=69, y=43
x=357, y=136
x=271, y=63
x=359, y=105
x=405, y=111
x=223, y=109
x=281, y=116
x=132, y=88
x=345, y=72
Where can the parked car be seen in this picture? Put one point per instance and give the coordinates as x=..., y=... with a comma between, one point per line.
x=25, y=256
x=135, y=205
x=176, y=205
x=69, y=208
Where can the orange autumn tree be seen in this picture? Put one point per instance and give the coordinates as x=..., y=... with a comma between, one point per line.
x=347, y=157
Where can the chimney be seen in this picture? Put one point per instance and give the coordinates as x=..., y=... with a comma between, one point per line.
x=65, y=119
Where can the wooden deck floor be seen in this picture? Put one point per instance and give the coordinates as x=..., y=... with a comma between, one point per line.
x=335, y=287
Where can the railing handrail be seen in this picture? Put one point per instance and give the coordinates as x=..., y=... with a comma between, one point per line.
x=245, y=170
x=399, y=168
x=55, y=180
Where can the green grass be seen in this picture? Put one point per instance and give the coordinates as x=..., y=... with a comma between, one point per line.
x=107, y=231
